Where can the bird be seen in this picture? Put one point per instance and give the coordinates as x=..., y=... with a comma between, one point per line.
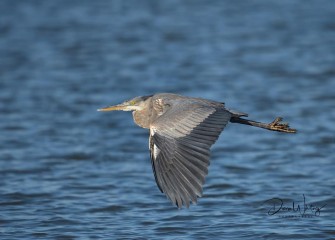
x=182, y=130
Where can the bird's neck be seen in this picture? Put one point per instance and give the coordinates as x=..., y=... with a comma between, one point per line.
x=143, y=117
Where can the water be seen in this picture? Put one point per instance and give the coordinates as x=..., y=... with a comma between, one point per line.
x=69, y=172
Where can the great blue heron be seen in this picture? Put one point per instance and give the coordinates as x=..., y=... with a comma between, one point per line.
x=182, y=130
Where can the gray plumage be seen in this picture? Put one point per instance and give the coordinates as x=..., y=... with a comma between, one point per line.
x=182, y=130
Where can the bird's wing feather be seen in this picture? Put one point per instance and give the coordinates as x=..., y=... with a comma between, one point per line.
x=180, y=142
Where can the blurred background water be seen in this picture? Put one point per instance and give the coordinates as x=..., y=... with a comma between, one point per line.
x=69, y=172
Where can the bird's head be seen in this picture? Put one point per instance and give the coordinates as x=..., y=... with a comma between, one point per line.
x=135, y=104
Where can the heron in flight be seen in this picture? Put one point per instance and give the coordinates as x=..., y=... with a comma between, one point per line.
x=182, y=130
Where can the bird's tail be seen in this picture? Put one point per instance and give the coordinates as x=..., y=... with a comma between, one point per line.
x=237, y=113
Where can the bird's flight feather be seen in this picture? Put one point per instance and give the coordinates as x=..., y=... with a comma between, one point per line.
x=180, y=148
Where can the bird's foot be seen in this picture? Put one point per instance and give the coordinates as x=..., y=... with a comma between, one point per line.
x=276, y=125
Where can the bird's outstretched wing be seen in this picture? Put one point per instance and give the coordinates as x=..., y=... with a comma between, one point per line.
x=180, y=142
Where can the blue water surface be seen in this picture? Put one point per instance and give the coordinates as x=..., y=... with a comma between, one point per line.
x=70, y=172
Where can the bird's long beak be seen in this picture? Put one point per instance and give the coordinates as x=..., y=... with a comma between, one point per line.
x=119, y=107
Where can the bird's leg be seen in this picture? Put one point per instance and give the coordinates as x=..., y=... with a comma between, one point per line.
x=275, y=125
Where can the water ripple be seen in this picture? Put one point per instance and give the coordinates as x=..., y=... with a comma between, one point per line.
x=69, y=172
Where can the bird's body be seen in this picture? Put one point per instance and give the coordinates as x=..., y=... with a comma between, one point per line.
x=182, y=130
